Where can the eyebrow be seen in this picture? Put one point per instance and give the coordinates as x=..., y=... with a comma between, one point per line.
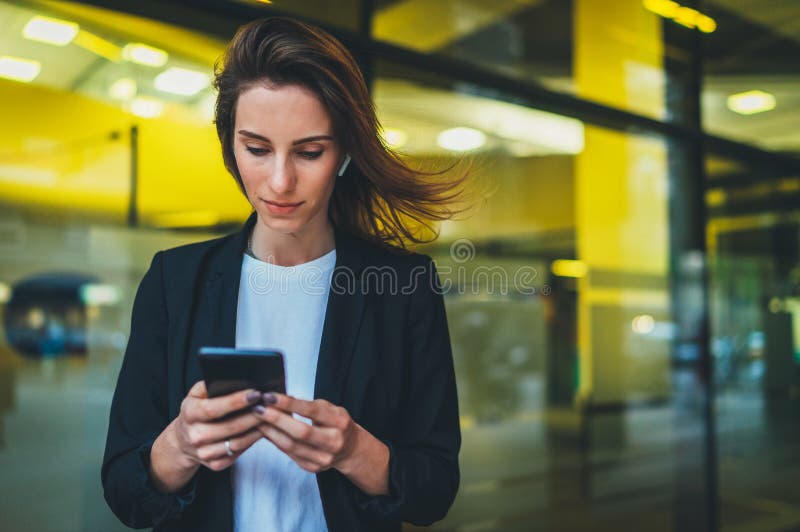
x=294, y=142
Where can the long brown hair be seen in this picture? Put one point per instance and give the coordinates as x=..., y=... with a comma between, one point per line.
x=379, y=198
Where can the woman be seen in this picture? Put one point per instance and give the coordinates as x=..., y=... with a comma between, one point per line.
x=368, y=356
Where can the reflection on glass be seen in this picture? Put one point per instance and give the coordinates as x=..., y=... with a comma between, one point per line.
x=46, y=316
x=566, y=376
x=755, y=331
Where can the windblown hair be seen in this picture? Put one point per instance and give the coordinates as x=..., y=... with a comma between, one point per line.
x=379, y=198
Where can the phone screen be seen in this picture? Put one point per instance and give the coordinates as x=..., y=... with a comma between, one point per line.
x=227, y=370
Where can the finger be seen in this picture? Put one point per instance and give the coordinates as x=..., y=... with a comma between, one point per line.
x=320, y=411
x=199, y=390
x=298, y=430
x=214, y=408
x=205, y=433
x=296, y=450
x=238, y=444
x=225, y=461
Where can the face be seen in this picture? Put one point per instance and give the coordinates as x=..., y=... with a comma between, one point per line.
x=287, y=156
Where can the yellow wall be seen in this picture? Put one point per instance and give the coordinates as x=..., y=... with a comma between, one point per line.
x=621, y=205
x=56, y=152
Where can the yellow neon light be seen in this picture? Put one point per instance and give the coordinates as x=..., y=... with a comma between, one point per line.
x=99, y=46
x=569, y=268
x=685, y=16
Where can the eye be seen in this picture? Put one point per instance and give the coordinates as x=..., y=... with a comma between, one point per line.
x=310, y=154
x=256, y=151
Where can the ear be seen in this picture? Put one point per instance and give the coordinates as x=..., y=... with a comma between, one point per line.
x=344, y=164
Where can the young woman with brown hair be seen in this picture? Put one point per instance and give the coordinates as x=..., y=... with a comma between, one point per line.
x=369, y=366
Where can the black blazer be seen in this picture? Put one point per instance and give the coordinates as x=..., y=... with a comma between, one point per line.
x=385, y=356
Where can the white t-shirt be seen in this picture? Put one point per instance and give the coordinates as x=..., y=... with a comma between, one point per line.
x=281, y=307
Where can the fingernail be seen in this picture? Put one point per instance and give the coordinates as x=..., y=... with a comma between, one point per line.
x=253, y=397
x=259, y=409
x=270, y=399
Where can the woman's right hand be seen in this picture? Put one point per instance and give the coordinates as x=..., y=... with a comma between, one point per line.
x=197, y=436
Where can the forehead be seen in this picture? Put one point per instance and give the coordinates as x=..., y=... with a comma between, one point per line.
x=281, y=112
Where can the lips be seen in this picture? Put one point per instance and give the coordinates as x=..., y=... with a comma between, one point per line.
x=279, y=208
x=283, y=204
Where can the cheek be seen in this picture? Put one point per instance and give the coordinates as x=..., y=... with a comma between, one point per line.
x=323, y=188
x=248, y=172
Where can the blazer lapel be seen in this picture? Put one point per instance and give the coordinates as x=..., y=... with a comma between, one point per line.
x=215, y=323
x=215, y=320
x=343, y=317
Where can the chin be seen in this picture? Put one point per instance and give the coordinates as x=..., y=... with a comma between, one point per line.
x=285, y=225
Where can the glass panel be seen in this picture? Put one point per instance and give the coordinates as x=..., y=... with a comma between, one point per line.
x=66, y=290
x=559, y=311
x=612, y=54
x=754, y=251
x=751, y=73
x=68, y=265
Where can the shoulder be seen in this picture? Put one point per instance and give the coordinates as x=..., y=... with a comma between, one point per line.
x=393, y=271
x=374, y=256
x=184, y=265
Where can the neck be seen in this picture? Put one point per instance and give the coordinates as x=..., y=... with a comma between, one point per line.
x=291, y=249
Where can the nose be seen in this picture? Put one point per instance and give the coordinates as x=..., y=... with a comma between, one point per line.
x=282, y=179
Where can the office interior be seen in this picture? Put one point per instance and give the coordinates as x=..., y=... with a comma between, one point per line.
x=623, y=302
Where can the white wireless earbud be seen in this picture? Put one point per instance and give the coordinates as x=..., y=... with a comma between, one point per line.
x=344, y=165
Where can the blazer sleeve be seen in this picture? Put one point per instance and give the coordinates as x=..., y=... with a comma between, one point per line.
x=423, y=459
x=139, y=414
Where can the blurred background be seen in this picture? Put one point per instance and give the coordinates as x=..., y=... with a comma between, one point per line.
x=645, y=159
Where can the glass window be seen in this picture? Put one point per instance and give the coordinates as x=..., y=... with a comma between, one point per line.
x=614, y=55
x=90, y=99
x=559, y=308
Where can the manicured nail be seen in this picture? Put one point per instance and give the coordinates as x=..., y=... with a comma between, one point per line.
x=270, y=399
x=253, y=397
x=259, y=409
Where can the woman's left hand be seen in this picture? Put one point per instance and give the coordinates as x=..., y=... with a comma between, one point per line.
x=333, y=441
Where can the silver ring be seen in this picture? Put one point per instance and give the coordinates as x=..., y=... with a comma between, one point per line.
x=228, y=448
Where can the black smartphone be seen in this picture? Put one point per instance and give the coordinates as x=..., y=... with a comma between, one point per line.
x=227, y=370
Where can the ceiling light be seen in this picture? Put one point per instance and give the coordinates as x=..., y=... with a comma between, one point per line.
x=123, y=89
x=50, y=30
x=143, y=54
x=19, y=69
x=145, y=107
x=461, y=139
x=396, y=138
x=751, y=102
x=643, y=324
x=182, y=81
x=99, y=294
